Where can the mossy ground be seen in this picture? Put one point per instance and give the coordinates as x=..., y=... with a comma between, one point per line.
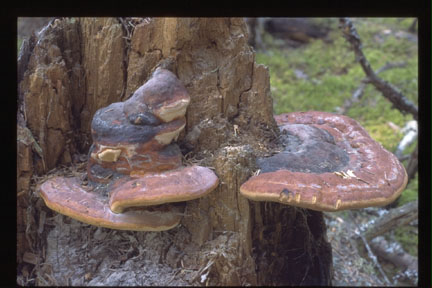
x=322, y=75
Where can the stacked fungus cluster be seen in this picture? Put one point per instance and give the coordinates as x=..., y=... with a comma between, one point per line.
x=134, y=164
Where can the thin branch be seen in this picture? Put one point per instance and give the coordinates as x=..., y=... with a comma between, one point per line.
x=369, y=250
x=373, y=257
x=358, y=93
x=389, y=91
x=391, y=65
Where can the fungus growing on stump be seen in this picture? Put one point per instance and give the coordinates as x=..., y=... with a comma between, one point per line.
x=329, y=163
x=157, y=188
x=137, y=133
x=133, y=163
x=68, y=197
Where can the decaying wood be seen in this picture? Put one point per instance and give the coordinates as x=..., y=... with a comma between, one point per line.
x=369, y=236
x=395, y=254
x=292, y=31
x=396, y=217
x=393, y=94
x=79, y=65
x=362, y=242
x=24, y=55
x=300, y=30
x=373, y=257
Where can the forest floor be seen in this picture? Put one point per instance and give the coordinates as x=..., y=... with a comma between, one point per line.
x=352, y=266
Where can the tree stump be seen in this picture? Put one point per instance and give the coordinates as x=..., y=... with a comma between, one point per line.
x=78, y=65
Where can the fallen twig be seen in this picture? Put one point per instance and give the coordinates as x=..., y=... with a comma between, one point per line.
x=369, y=250
x=358, y=93
x=394, y=218
x=395, y=254
x=373, y=257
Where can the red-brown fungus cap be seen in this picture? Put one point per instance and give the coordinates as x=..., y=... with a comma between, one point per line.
x=157, y=188
x=333, y=164
x=131, y=160
x=137, y=135
x=110, y=126
x=68, y=197
x=163, y=95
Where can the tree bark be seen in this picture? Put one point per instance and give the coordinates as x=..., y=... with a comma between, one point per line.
x=80, y=65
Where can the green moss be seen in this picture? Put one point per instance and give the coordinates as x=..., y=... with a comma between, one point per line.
x=407, y=236
x=410, y=193
x=383, y=134
x=410, y=148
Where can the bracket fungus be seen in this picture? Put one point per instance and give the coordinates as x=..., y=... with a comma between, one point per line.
x=135, y=170
x=137, y=133
x=157, y=188
x=329, y=163
x=68, y=197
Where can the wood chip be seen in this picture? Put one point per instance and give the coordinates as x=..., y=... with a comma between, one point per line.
x=30, y=258
x=42, y=218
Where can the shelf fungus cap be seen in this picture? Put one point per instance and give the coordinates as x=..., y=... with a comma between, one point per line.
x=183, y=184
x=68, y=197
x=329, y=163
x=164, y=96
x=110, y=126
